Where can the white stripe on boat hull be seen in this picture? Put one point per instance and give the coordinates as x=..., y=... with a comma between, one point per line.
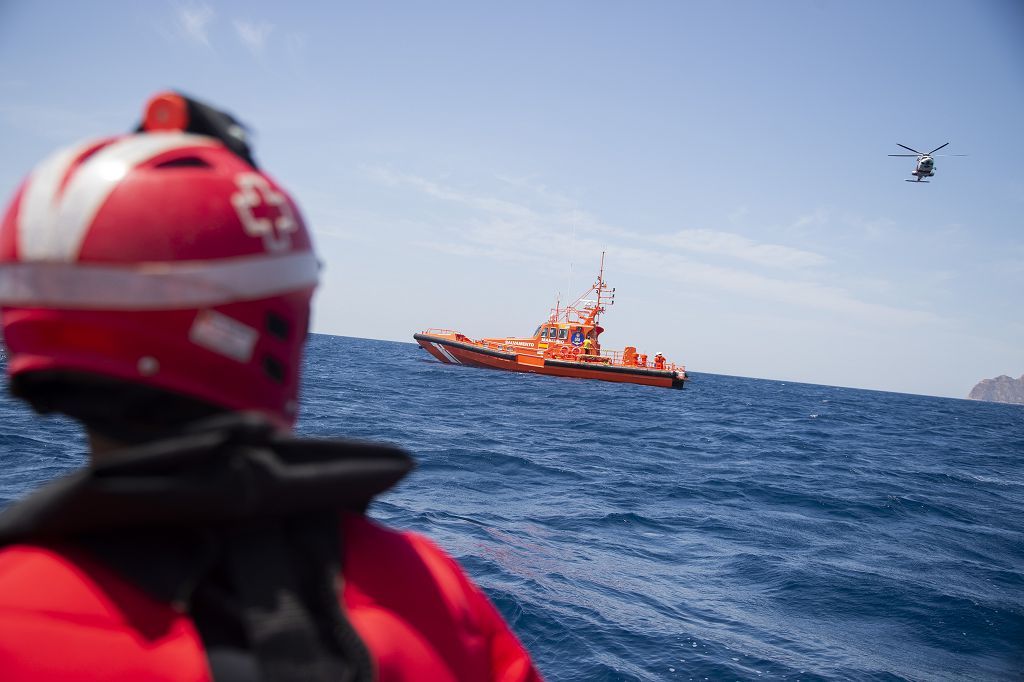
x=444, y=351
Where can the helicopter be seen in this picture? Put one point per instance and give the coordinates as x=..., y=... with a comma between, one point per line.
x=925, y=167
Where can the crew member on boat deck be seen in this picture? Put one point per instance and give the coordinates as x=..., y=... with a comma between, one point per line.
x=588, y=346
x=202, y=542
x=659, y=361
x=642, y=360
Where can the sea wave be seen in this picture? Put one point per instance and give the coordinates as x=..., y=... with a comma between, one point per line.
x=737, y=529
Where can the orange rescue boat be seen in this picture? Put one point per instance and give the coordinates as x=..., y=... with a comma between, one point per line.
x=566, y=345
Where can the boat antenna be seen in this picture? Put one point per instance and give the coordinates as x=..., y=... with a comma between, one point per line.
x=572, y=250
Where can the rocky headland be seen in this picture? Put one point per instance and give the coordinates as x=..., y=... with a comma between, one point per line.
x=1002, y=389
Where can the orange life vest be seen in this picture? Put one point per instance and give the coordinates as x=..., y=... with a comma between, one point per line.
x=64, y=615
x=111, y=572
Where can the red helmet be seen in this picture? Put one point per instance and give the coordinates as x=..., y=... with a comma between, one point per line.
x=163, y=258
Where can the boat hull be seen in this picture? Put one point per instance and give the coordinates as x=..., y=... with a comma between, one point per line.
x=455, y=352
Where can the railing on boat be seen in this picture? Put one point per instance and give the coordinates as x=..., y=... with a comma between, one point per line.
x=458, y=336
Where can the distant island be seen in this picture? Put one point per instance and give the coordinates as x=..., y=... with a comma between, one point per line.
x=1002, y=389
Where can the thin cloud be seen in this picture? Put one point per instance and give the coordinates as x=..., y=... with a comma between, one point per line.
x=253, y=35
x=871, y=228
x=547, y=235
x=542, y=191
x=714, y=242
x=736, y=246
x=538, y=243
x=817, y=218
x=194, y=22
x=438, y=191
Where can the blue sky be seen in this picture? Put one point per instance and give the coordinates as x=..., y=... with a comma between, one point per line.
x=461, y=164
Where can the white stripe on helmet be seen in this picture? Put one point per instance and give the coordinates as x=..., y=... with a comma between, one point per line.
x=155, y=286
x=52, y=225
x=38, y=202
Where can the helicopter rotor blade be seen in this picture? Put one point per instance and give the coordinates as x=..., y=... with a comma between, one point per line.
x=916, y=153
x=904, y=154
x=951, y=155
x=937, y=149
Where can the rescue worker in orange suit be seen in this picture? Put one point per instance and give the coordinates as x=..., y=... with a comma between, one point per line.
x=155, y=287
x=659, y=361
x=642, y=360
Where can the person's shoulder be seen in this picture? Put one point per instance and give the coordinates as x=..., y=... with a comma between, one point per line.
x=36, y=577
x=366, y=529
x=393, y=576
x=55, y=579
x=410, y=553
x=414, y=607
x=66, y=616
x=404, y=571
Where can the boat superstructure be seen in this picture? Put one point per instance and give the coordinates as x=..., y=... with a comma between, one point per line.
x=567, y=344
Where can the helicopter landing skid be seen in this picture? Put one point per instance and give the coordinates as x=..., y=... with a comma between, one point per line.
x=909, y=180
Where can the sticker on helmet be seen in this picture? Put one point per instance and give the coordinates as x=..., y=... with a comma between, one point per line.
x=222, y=334
x=264, y=212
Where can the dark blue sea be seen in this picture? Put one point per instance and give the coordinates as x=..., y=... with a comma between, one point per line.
x=739, y=529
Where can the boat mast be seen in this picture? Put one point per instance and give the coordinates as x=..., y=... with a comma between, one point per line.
x=598, y=288
x=584, y=310
x=572, y=251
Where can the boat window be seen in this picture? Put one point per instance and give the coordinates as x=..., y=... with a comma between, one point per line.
x=536, y=331
x=544, y=333
x=562, y=333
